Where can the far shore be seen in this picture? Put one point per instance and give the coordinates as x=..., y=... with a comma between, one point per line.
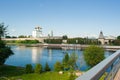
x=67, y=46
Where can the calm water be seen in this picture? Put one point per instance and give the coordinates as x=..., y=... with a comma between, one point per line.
x=32, y=55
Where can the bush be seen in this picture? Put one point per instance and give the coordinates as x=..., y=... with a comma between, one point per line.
x=71, y=77
x=93, y=55
x=66, y=62
x=58, y=66
x=28, y=68
x=47, y=68
x=38, y=68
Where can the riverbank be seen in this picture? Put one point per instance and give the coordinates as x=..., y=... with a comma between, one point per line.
x=8, y=72
x=67, y=46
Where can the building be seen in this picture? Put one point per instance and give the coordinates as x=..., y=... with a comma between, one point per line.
x=37, y=32
x=105, y=39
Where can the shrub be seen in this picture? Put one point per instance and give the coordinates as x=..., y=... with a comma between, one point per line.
x=38, y=68
x=28, y=68
x=65, y=61
x=71, y=77
x=93, y=55
x=58, y=66
x=47, y=68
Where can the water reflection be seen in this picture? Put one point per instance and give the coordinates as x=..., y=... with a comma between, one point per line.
x=50, y=54
x=21, y=48
x=36, y=54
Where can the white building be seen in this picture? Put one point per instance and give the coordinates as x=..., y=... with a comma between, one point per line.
x=105, y=39
x=37, y=32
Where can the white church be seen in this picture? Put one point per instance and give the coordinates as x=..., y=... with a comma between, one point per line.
x=37, y=32
x=105, y=39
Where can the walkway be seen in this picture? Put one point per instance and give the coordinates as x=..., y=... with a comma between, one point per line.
x=117, y=77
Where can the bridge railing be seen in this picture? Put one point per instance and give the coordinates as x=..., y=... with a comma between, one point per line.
x=105, y=70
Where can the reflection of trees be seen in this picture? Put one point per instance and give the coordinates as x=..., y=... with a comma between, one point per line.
x=21, y=48
x=36, y=54
x=81, y=60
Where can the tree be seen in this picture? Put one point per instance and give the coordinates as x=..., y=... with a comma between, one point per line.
x=22, y=36
x=2, y=30
x=66, y=61
x=118, y=37
x=13, y=37
x=38, y=68
x=47, y=68
x=7, y=36
x=5, y=51
x=58, y=66
x=93, y=55
x=72, y=60
x=65, y=37
x=28, y=68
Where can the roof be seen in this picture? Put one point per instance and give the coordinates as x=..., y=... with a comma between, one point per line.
x=110, y=37
x=101, y=36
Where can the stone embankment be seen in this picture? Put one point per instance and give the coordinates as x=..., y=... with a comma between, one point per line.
x=73, y=46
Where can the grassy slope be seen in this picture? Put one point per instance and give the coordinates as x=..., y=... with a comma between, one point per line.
x=7, y=71
x=43, y=76
x=15, y=73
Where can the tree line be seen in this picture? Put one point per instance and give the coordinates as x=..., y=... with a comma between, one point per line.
x=23, y=41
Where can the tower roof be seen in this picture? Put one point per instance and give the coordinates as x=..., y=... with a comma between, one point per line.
x=101, y=36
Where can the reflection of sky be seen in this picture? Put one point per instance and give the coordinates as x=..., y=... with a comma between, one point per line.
x=50, y=54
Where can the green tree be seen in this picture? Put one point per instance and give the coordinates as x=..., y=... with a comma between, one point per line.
x=58, y=66
x=28, y=68
x=66, y=61
x=93, y=55
x=116, y=42
x=118, y=37
x=64, y=37
x=72, y=60
x=13, y=37
x=38, y=68
x=5, y=51
x=47, y=68
x=22, y=36
x=7, y=36
x=3, y=30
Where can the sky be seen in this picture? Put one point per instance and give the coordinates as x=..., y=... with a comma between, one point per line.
x=74, y=18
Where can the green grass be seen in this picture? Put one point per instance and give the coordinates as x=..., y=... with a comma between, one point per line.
x=18, y=73
x=8, y=71
x=43, y=76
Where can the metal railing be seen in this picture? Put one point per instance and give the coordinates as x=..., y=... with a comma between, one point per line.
x=105, y=70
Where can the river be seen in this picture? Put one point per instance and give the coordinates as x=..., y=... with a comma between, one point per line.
x=33, y=55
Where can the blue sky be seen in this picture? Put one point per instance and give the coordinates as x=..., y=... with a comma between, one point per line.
x=75, y=18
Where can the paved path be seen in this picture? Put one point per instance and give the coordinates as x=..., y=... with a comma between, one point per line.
x=117, y=77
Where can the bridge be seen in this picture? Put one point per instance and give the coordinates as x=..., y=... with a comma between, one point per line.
x=108, y=69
